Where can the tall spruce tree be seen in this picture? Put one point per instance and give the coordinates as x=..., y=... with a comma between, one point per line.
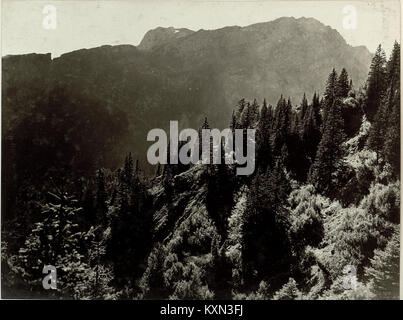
x=297, y=160
x=263, y=130
x=56, y=239
x=343, y=84
x=330, y=149
x=376, y=83
x=281, y=125
x=306, y=144
x=392, y=139
x=303, y=107
x=130, y=228
x=383, y=272
x=311, y=124
x=101, y=199
x=265, y=227
x=384, y=136
x=331, y=93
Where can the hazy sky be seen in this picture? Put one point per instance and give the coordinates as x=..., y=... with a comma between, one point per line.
x=91, y=23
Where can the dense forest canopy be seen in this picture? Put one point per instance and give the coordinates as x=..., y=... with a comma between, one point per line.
x=325, y=195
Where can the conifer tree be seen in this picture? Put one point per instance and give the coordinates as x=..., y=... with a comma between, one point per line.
x=245, y=119
x=89, y=206
x=376, y=83
x=253, y=115
x=383, y=272
x=265, y=226
x=384, y=136
x=127, y=172
x=294, y=157
x=331, y=93
x=377, y=132
x=330, y=150
x=205, y=144
x=316, y=105
x=97, y=284
x=101, y=199
x=240, y=108
x=281, y=125
x=392, y=137
x=288, y=292
x=304, y=107
x=343, y=84
x=233, y=124
x=130, y=230
x=56, y=239
x=263, y=130
x=311, y=124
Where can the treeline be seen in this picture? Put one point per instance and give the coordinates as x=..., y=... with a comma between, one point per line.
x=325, y=196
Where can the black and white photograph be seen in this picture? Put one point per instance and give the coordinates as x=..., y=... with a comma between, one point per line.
x=200, y=150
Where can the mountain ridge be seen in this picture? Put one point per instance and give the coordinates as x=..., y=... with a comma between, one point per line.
x=183, y=32
x=189, y=75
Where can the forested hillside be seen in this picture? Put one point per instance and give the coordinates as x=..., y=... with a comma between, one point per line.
x=89, y=108
x=325, y=195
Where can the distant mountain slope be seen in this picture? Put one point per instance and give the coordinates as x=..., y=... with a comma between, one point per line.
x=286, y=56
x=177, y=74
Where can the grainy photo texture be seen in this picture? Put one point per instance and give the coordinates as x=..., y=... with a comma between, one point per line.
x=245, y=150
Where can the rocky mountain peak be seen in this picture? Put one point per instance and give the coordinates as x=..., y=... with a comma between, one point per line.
x=160, y=36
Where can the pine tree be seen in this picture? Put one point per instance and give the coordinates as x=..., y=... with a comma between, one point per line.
x=298, y=161
x=288, y=292
x=233, y=124
x=330, y=150
x=205, y=144
x=383, y=273
x=239, y=109
x=89, y=206
x=281, y=125
x=376, y=83
x=331, y=93
x=101, y=199
x=130, y=232
x=127, y=172
x=253, y=111
x=376, y=136
x=263, y=130
x=316, y=106
x=384, y=136
x=56, y=239
x=205, y=124
x=343, y=84
x=245, y=119
x=303, y=107
x=392, y=143
x=351, y=110
x=265, y=226
x=311, y=124
x=391, y=148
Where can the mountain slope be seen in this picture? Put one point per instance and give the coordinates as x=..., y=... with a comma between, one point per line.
x=179, y=74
